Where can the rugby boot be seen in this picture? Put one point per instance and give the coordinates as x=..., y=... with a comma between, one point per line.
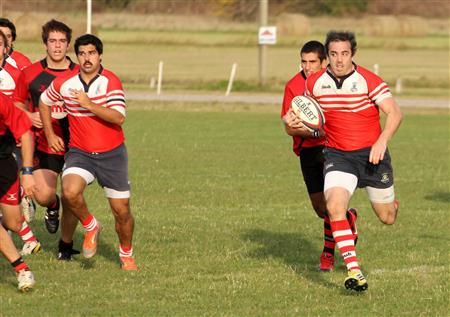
x=356, y=281
x=51, y=217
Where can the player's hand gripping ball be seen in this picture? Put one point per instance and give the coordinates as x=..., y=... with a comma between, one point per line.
x=309, y=111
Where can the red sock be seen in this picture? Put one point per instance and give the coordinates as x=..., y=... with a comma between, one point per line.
x=90, y=223
x=343, y=236
x=25, y=233
x=125, y=252
x=329, y=243
x=20, y=265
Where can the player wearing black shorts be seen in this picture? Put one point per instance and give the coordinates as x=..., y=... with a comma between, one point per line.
x=309, y=147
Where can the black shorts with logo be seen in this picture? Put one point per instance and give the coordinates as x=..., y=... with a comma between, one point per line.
x=8, y=174
x=357, y=163
x=311, y=163
x=48, y=161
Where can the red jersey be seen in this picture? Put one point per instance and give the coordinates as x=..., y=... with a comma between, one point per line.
x=9, y=76
x=33, y=81
x=296, y=87
x=88, y=132
x=18, y=60
x=350, y=106
x=12, y=121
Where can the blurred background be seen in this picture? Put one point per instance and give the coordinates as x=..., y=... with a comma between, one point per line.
x=199, y=40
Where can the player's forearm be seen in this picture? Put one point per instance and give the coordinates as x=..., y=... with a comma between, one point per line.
x=46, y=117
x=393, y=120
x=106, y=114
x=27, y=149
x=21, y=106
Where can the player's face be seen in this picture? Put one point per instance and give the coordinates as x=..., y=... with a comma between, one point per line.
x=89, y=59
x=8, y=33
x=57, y=46
x=340, y=57
x=310, y=63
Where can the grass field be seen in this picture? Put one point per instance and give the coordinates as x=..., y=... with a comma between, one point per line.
x=224, y=227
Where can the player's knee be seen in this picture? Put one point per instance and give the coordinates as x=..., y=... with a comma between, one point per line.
x=45, y=196
x=69, y=193
x=14, y=224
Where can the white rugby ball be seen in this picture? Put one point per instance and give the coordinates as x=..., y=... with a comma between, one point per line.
x=309, y=111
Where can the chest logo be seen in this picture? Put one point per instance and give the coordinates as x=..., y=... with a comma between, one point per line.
x=354, y=87
x=326, y=86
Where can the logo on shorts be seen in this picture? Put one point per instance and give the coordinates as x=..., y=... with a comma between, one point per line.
x=384, y=178
x=329, y=165
x=11, y=197
x=354, y=87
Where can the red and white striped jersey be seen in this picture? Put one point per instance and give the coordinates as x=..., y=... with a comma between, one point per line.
x=296, y=87
x=9, y=76
x=88, y=132
x=350, y=106
x=18, y=60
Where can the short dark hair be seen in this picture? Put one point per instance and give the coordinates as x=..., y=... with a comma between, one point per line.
x=8, y=24
x=339, y=36
x=314, y=47
x=55, y=26
x=5, y=40
x=87, y=39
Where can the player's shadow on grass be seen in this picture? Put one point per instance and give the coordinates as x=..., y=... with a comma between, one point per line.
x=439, y=196
x=292, y=249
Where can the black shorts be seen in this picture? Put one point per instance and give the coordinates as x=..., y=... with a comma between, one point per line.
x=48, y=161
x=311, y=163
x=357, y=163
x=8, y=174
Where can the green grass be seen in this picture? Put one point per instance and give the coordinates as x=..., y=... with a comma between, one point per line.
x=224, y=227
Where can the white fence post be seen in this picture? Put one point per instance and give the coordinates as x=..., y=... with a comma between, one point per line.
x=160, y=75
x=398, y=86
x=232, y=76
x=376, y=69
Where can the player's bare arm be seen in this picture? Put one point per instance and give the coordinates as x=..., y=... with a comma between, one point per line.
x=35, y=117
x=393, y=120
x=55, y=142
x=27, y=157
x=107, y=114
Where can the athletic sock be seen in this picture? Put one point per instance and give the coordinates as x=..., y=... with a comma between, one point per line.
x=90, y=223
x=125, y=252
x=344, y=240
x=329, y=243
x=19, y=265
x=55, y=204
x=25, y=232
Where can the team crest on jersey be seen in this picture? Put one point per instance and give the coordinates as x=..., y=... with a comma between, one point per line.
x=97, y=91
x=1, y=81
x=384, y=178
x=354, y=87
x=11, y=197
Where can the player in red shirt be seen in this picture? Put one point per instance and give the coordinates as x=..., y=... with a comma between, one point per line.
x=48, y=164
x=15, y=58
x=309, y=146
x=14, y=125
x=356, y=152
x=8, y=77
x=95, y=103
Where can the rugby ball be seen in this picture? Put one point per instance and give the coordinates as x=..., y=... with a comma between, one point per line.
x=309, y=111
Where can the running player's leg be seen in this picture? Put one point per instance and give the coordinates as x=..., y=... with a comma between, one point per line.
x=113, y=177
x=7, y=248
x=10, y=206
x=379, y=184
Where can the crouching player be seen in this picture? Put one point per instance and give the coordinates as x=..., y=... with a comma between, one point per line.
x=14, y=125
